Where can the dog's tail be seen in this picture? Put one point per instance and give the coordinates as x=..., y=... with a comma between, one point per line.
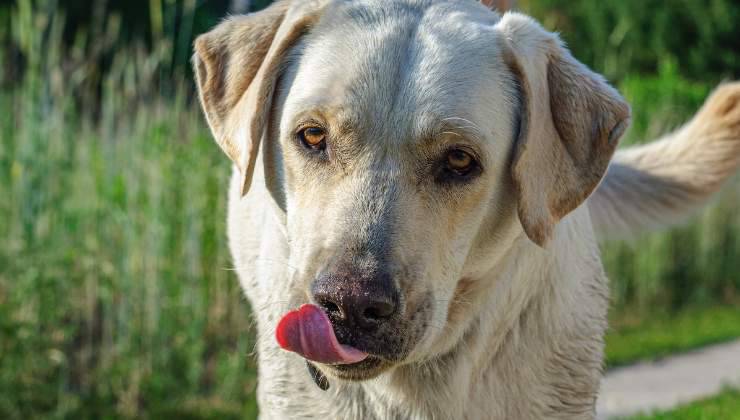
x=658, y=184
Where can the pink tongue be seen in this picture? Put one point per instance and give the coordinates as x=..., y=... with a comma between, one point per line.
x=308, y=332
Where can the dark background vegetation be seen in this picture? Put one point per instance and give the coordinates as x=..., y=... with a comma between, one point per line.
x=117, y=295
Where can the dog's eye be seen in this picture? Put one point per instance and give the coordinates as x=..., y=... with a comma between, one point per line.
x=459, y=161
x=458, y=165
x=313, y=137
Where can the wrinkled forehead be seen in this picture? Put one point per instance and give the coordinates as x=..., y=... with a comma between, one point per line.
x=401, y=66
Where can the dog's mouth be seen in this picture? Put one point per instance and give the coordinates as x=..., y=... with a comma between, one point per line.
x=308, y=332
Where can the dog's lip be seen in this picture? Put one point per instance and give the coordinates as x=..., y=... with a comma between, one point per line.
x=362, y=364
x=360, y=371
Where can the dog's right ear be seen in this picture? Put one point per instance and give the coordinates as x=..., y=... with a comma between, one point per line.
x=236, y=67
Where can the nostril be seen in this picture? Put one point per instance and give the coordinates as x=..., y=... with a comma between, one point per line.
x=331, y=308
x=378, y=311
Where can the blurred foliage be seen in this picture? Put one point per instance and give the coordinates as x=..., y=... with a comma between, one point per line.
x=624, y=37
x=100, y=34
x=116, y=292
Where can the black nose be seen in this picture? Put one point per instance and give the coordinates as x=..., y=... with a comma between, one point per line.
x=357, y=301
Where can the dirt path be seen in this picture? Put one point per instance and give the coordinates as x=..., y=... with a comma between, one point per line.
x=669, y=382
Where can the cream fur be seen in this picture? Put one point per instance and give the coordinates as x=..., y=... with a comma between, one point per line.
x=501, y=327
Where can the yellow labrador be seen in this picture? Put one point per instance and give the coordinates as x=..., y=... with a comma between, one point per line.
x=425, y=195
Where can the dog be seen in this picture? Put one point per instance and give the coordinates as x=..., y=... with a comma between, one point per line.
x=418, y=192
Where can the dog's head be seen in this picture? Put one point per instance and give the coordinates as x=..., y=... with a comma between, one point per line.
x=408, y=143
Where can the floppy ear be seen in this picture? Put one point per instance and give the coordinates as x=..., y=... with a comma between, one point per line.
x=571, y=122
x=236, y=67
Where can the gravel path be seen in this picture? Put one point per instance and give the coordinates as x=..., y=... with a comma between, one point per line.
x=671, y=381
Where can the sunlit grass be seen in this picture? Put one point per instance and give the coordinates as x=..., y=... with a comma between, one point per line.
x=647, y=336
x=725, y=406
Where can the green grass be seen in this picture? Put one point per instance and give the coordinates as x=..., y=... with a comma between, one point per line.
x=725, y=406
x=651, y=336
x=117, y=297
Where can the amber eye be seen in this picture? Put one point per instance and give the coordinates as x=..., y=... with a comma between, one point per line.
x=313, y=137
x=458, y=165
x=459, y=161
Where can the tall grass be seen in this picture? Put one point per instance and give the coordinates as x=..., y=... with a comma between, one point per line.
x=116, y=294
x=623, y=37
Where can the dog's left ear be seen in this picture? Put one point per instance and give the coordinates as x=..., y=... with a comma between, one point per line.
x=571, y=122
x=237, y=66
